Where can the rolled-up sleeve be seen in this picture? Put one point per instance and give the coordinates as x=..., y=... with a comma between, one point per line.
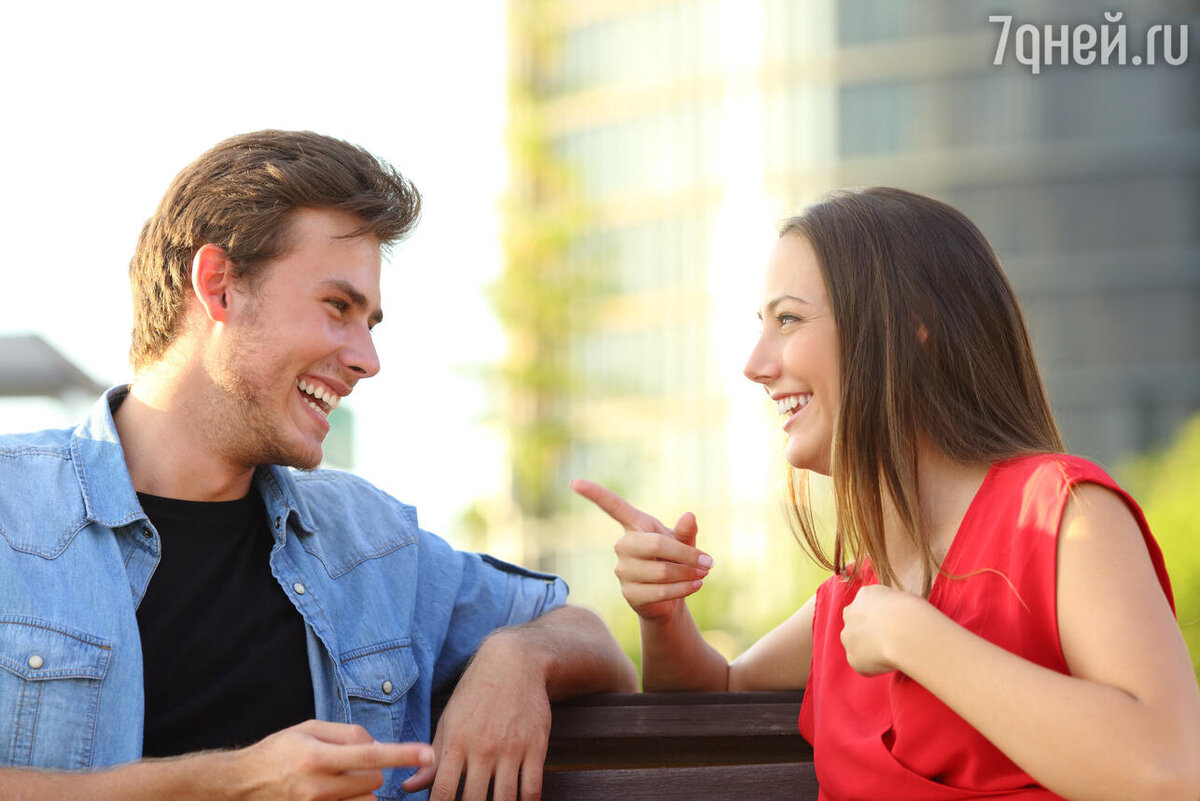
x=491, y=594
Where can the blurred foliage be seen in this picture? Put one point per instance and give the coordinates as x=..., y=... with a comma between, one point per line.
x=540, y=300
x=1166, y=485
x=472, y=523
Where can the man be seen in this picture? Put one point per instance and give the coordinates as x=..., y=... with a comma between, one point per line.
x=168, y=588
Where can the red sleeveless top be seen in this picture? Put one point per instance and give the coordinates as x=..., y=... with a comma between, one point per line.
x=888, y=737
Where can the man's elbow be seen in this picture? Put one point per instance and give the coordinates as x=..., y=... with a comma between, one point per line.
x=614, y=672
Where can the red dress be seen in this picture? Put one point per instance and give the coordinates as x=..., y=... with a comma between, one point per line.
x=887, y=737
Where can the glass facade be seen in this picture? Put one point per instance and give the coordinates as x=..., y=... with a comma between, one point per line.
x=675, y=116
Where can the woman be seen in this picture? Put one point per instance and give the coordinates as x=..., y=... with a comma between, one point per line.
x=999, y=622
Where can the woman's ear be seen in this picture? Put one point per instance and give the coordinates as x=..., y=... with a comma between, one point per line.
x=212, y=278
x=922, y=333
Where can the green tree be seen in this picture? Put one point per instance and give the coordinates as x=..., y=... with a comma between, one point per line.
x=543, y=296
x=1166, y=485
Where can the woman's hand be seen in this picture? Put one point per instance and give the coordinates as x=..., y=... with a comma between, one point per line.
x=657, y=566
x=874, y=623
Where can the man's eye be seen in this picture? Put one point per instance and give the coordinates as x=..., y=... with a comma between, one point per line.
x=339, y=304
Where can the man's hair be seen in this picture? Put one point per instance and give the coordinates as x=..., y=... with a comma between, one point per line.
x=931, y=342
x=241, y=195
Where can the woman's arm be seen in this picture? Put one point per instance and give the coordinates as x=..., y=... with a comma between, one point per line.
x=658, y=567
x=1126, y=722
x=781, y=659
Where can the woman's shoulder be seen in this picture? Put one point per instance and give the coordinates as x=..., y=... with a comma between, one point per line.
x=1063, y=470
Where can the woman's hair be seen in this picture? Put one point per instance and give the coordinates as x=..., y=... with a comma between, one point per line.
x=242, y=195
x=931, y=342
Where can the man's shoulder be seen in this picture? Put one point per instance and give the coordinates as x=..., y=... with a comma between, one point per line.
x=346, y=521
x=49, y=442
x=41, y=504
x=338, y=486
x=31, y=459
x=336, y=480
x=341, y=501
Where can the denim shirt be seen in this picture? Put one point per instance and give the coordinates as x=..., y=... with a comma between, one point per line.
x=392, y=612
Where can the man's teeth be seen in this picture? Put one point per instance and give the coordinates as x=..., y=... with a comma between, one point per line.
x=793, y=402
x=329, y=397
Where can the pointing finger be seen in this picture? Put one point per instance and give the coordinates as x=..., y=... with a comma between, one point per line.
x=374, y=756
x=618, y=508
x=336, y=733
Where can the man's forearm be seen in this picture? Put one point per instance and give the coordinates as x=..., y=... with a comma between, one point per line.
x=183, y=778
x=574, y=650
x=309, y=760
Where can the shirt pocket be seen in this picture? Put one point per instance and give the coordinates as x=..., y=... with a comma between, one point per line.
x=377, y=680
x=50, y=678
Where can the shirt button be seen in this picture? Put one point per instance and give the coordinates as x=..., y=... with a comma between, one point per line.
x=299, y=588
x=387, y=688
x=36, y=661
x=146, y=532
x=277, y=522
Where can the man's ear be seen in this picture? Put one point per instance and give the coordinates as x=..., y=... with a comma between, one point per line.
x=212, y=280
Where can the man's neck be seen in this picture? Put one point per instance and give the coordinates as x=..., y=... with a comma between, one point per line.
x=166, y=435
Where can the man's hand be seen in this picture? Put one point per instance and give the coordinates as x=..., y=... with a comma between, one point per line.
x=313, y=761
x=495, y=728
x=320, y=761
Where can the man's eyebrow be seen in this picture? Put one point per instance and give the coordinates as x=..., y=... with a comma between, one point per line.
x=357, y=298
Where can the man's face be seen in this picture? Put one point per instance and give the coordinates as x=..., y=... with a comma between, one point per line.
x=298, y=343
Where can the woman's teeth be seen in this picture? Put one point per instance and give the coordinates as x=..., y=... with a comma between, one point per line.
x=792, y=402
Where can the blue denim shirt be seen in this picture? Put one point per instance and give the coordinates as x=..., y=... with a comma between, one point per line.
x=392, y=612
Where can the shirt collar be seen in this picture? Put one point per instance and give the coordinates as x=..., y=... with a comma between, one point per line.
x=278, y=488
x=108, y=494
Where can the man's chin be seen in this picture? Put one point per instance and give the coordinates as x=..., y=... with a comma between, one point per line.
x=307, y=462
x=304, y=457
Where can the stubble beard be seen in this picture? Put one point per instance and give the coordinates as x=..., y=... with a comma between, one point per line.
x=249, y=432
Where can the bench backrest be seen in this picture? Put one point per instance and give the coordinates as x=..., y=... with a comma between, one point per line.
x=732, y=746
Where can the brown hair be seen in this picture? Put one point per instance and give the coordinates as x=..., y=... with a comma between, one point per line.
x=893, y=262
x=240, y=195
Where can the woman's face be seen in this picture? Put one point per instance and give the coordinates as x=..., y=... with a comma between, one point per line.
x=796, y=358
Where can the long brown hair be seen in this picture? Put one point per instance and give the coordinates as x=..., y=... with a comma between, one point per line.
x=931, y=341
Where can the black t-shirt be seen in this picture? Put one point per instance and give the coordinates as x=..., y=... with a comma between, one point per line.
x=224, y=652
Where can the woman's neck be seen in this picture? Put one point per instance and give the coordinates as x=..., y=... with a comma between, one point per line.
x=945, y=489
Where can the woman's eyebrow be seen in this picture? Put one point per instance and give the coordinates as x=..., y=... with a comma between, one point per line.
x=772, y=304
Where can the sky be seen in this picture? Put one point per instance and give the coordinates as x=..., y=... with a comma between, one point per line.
x=105, y=102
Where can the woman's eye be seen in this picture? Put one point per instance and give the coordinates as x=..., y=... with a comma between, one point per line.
x=784, y=319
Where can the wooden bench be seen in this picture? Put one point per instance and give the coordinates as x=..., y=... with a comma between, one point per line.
x=671, y=746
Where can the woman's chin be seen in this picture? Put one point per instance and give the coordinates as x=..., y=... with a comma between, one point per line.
x=803, y=458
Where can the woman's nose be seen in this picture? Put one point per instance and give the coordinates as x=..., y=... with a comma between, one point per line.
x=762, y=366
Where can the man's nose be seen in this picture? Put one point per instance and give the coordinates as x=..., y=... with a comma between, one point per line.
x=360, y=355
